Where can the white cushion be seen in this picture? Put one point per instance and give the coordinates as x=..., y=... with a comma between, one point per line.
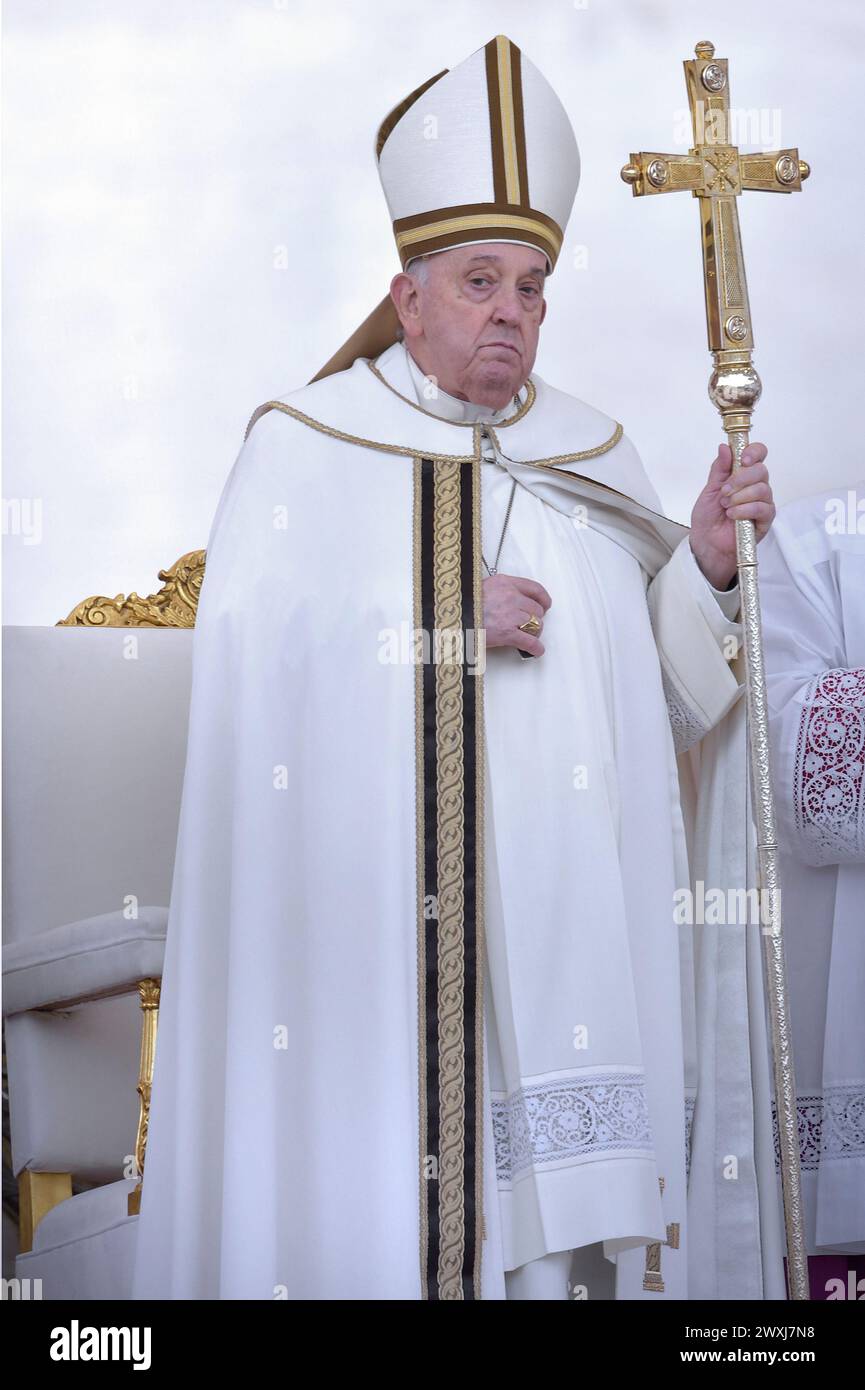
x=83, y=960
x=84, y=1248
x=85, y=1214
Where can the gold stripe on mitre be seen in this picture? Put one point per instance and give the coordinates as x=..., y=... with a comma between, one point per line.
x=496, y=224
x=507, y=129
x=509, y=137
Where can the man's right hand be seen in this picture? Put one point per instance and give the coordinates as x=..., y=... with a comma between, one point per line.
x=509, y=601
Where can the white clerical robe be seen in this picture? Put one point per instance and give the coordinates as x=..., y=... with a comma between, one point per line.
x=812, y=583
x=282, y=1155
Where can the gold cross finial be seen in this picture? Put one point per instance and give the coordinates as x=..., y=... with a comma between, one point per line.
x=715, y=172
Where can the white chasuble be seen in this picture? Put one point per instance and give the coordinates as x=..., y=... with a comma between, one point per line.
x=364, y=1089
x=812, y=578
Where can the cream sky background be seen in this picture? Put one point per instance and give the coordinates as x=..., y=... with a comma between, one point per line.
x=193, y=223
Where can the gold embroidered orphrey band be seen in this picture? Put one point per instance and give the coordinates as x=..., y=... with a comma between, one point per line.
x=450, y=855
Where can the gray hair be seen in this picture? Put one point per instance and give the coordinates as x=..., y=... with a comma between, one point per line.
x=418, y=266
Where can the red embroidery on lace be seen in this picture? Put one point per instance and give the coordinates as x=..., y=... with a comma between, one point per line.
x=830, y=763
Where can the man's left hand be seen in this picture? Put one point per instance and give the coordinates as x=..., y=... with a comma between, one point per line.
x=726, y=499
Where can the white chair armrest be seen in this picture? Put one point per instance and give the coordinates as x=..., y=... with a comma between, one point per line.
x=91, y=959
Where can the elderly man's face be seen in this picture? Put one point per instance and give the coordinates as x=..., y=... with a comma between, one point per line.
x=474, y=325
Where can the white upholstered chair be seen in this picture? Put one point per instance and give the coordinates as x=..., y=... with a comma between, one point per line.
x=94, y=732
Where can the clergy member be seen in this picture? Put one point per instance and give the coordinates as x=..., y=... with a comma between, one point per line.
x=812, y=580
x=429, y=1028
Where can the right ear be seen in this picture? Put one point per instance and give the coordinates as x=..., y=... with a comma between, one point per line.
x=406, y=301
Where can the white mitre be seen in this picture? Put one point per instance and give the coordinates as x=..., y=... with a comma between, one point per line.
x=482, y=153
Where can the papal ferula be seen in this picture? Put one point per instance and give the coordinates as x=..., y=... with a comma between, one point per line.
x=433, y=1131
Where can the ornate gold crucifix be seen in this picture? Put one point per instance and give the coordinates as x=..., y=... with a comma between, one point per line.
x=716, y=174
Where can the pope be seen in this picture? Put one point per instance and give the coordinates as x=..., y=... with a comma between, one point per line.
x=429, y=1029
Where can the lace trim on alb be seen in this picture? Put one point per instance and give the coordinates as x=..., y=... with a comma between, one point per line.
x=686, y=724
x=829, y=768
x=831, y=1127
x=585, y=1117
x=570, y=1118
x=575, y=1118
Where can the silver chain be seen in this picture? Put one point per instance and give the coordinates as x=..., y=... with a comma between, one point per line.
x=495, y=567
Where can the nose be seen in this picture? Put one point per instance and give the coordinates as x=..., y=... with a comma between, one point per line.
x=507, y=306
